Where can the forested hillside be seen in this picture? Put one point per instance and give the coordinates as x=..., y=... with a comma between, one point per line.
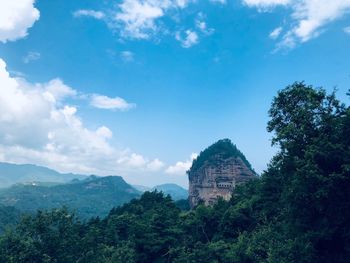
x=93, y=196
x=225, y=148
x=9, y=217
x=298, y=210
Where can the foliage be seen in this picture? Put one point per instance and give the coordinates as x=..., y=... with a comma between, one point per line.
x=297, y=211
x=9, y=216
x=183, y=204
x=94, y=196
x=175, y=191
x=225, y=148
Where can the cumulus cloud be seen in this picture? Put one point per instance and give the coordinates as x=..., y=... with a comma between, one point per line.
x=58, y=90
x=138, y=162
x=309, y=18
x=155, y=165
x=38, y=126
x=16, y=17
x=104, y=132
x=107, y=103
x=31, y=118
x=89, y=13
x=181, y=167
x=134, y=160
x=189, y=39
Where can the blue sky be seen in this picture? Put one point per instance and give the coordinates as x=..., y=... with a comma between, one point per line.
x=136, y=88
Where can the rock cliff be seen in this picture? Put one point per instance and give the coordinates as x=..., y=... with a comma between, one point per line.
x=216, y=172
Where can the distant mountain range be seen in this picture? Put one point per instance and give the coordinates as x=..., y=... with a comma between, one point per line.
x=175, y=191
x=93, y=196
x=21, y=173
x=28, y=188
x=142, y=188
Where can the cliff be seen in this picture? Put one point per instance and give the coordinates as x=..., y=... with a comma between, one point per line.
x=216, y=172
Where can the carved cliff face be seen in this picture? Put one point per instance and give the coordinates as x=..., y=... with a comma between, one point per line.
x=217, y=177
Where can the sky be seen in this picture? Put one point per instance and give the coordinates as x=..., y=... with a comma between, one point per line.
x=138, y=88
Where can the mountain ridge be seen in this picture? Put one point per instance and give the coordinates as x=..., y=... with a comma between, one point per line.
x=89, y=197
x=11, y=173
x=175, y=191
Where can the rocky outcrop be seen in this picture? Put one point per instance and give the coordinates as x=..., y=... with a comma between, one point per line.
x=216, y=172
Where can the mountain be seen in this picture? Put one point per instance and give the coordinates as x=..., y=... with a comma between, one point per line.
x=93, y=196
x=216, y=172
x=24, y=173
x=175, y=191
x=223, y=148
x=142, y=188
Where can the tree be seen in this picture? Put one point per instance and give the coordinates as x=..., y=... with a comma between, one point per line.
x=311, y=129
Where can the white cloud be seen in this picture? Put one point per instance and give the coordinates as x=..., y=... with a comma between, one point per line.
x=58, y=90
x=347, y=30
x=146, y=20
x=276, y=33
x=190, y=39
x=138, y=18
x=89, y=13
x=266, y=3
x=104, y=102
x=180, y=168
x=312, y=15
x=104, y=132
x=31, y=56
x=155, y=165
x=309, y=18
x=139, y=162
x=16, y=17
x=134, y=160
x=127, y=56
x=201, y=24
x=38, y=126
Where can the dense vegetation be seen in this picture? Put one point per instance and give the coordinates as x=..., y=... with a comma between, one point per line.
x=297, y=211
x=93, y=196
x=9, y=216
x=225, y=148
x=175, y=191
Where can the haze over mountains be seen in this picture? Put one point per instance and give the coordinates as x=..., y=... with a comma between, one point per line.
x=28, y=188
x=93, y=196
x=21, y=173
x=175, y=191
